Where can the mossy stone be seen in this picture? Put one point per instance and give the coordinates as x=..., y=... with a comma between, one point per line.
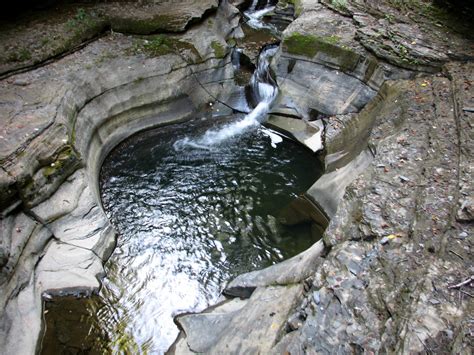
x=310, y=46
x=219, y=49
x=161, y=45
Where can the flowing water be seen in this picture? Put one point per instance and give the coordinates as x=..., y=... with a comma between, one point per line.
x=254, y=15
x=264, y=91
x=194, y=206
x=188, y=222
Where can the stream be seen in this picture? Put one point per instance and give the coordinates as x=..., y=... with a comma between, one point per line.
x=194, y=206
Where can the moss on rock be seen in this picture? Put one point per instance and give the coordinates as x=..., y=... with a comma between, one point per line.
x=159, y=45
x=219, y=49
x=65, y=158
x=310, y=46
x=297, y=5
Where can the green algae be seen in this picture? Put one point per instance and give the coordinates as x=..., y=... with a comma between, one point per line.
x=161, y=44
x=66, y=157
x=219, y=49
x=309, y=46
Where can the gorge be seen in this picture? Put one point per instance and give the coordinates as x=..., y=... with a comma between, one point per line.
x=378, y=94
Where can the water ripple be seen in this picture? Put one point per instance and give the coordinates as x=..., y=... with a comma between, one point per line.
x=189, y=221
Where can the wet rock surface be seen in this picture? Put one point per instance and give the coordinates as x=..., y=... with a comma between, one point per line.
x=58, y=123
x=389, y=95
x=395, y=271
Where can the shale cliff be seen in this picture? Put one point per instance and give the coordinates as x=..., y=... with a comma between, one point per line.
x=381, y=91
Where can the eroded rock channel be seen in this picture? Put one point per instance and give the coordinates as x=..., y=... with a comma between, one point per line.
x=380, y=93
x=188, y=222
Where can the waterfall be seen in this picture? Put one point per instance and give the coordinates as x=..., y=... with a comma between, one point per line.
x=254, y=16
x=264, y=90
x=253, y=6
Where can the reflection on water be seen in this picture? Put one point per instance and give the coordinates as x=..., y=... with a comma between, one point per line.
x=188, y=221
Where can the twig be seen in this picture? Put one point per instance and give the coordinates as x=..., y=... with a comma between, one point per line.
x=451, y=251
x=465, y=282
x=428, y=350
x=466, y=293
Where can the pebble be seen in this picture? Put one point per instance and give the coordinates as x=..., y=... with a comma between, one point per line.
x=463, y=235
x=294, y=322
x=21, y=82
x=316, y=297
x=404, y=178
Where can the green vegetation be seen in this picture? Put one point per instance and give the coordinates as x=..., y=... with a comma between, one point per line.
x=81, y=14
x=231, y=42
x=51, y=170
x=339, y=4
x=159, y=45
x=219, y=49
x=297, y=6
x=309, y=46
x=65, y=157
x=84, y=25
x=332, y=39
x=80, y=20
x=390, y=18
x=73, y=30
x=403, y=52
x=21, y=55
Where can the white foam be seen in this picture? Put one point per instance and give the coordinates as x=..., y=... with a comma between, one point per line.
x=264, y=91
x=275, y=138
x=254, y=18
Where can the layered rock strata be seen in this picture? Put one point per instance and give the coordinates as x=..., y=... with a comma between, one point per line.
x=372, y=87
x=393, y=271
x=59, y=123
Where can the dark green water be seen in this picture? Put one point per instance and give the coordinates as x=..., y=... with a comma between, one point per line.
x=188, y=222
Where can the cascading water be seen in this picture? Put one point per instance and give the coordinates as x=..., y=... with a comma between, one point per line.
x=264, y=90
x=255, y=15
x=188, y=220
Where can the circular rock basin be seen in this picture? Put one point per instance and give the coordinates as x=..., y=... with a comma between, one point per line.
x=188, y=221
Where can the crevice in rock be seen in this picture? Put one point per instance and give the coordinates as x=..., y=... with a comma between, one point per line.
x=366, y=235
